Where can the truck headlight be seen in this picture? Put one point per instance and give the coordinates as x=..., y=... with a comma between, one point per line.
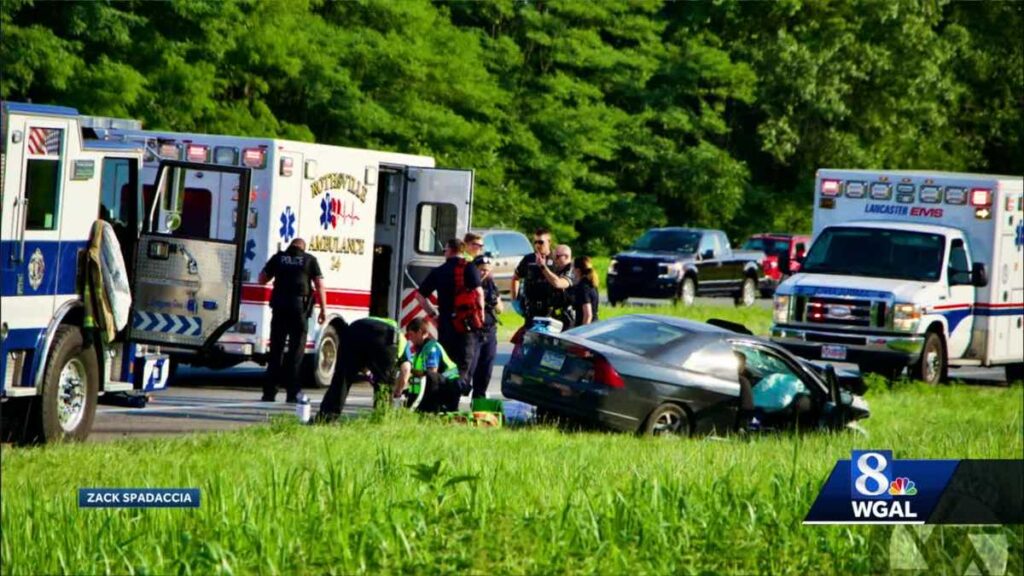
x=611, y=267
x=905, y=317
x=670, y=270
x=780, y=309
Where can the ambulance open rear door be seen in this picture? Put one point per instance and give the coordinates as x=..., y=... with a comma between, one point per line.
x=188, y=277
x=438, y=205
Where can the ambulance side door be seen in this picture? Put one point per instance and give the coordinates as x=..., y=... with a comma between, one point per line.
x=188, y=278
x=961, y=291
x=437, y=207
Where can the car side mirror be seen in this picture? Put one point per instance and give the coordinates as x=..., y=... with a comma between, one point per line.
x=979, y=276
x=708, y=255
x=833, y=383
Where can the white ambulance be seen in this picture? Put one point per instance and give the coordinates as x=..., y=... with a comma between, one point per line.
x=376, y=221
x=910, y=269
x=57, y=179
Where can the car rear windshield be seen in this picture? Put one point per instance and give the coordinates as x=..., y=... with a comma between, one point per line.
x=637, y=335
x=668, y=241
x=877, y=253
x=770, y=246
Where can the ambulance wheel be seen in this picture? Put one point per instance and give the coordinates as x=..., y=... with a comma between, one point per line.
x=748, y=293
x=70, y=388
x=687, y=292
x=326, y=358
x=1014, y=373
x=931, y=368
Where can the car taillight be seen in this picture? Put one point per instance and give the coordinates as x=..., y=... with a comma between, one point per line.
x=605, y=374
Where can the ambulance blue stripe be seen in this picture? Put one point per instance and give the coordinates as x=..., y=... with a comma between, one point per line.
x=20, y=339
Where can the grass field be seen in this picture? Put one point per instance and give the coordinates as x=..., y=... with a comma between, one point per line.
x=396, y=494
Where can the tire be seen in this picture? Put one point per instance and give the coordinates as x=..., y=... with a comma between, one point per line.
x=71, y=384
x=667, y=419
x=1014, y=373
x=932, y=366
x=687, y=292
x=322, y=363
x=615, y=299
x=748, y=293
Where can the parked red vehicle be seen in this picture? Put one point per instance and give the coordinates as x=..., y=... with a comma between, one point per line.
x=783, y=253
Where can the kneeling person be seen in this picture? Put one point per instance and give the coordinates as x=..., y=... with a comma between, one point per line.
x=370, y=350
x=435, y=385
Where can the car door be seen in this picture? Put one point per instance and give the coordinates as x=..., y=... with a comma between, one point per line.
x=709, y=268
x=437, y=208
x=731, y=268
x=188, y=276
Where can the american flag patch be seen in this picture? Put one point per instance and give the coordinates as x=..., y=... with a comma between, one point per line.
x=44, y=141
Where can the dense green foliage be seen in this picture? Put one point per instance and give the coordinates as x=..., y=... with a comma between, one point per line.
x=595, y=118
x=399, y=495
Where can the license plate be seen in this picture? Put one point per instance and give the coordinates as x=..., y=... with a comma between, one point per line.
x=552, y=360
x=832, y=352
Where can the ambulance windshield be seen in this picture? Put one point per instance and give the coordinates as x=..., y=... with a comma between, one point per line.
x=877, y=253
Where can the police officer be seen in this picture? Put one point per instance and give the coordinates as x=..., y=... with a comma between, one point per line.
x=370, y=350
x=545, y=281
x=294, y=272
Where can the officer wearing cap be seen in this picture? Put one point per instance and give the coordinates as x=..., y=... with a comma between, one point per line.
x=372, y=350
x=296, y=275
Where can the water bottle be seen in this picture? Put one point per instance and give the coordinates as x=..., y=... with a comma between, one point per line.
x=302, y=409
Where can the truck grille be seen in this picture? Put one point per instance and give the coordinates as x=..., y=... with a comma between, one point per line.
x=841, y=312
x=638, y=268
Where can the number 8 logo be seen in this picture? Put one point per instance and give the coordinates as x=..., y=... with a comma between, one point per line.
x=874, y=473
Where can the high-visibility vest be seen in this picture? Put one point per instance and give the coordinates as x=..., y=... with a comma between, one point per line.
x=449, y=370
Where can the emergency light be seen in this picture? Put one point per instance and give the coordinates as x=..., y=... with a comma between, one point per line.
x=981, y=197
x=197, y=153
x=225, y=155
x=286, y=166
x=169, y=151
x=956, y=196
x=855, y=189
x=830, y=188
x=254, y=157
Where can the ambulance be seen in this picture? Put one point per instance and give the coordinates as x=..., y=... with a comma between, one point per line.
x=910, y=269
x=58, y=180
x=376, y=221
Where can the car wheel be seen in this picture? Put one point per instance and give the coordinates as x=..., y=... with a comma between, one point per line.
x=931, y=368
x=748, y=293
x=615, y=299
x=326, y=358
x=687, y=292
x=70, y=389
x=667, y=419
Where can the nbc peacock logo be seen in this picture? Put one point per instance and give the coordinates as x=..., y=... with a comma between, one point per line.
x=902, y=486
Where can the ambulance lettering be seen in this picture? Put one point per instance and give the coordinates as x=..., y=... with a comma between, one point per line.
x=897, y=210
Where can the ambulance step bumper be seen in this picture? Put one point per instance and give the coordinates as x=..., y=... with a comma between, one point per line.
x=861, y=348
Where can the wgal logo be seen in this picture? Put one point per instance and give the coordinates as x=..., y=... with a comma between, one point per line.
x=874, y=492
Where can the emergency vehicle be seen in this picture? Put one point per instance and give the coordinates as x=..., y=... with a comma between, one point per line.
x=918, y=269
x=376, y=221
x=58, y=179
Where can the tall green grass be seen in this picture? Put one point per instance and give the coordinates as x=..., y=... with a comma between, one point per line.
x=397, y=494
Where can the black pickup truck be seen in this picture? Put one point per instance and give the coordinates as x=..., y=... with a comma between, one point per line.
x=681, y=264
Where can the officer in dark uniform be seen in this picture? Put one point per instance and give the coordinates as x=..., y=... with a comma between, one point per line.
x=295, y=274
x=545, y=281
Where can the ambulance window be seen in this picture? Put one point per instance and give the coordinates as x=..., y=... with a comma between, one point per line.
x=41, y=190
x=435, y=225
x=118, y=190
x=196, y=208
x=959, y=267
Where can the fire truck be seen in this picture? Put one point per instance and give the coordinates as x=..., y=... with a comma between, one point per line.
x=376, y=221
x=910, y=269
x=59, y=177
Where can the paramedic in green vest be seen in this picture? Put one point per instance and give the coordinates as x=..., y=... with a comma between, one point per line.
x=434, y=385
x=372, y=350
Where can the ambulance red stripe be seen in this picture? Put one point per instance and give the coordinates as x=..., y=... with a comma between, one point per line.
x=258, y=294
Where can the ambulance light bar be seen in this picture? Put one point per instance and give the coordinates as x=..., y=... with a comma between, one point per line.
x=254, y=157
x=981, y=197
x=198, y=153
x=830, y=188
x=225, y=155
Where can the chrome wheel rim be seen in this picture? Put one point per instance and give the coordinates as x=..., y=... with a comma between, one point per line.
x=328, y=355
x=666, y=423
x=748, y=293
x=931, y=365
x=688, y=293
x=71, y=395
